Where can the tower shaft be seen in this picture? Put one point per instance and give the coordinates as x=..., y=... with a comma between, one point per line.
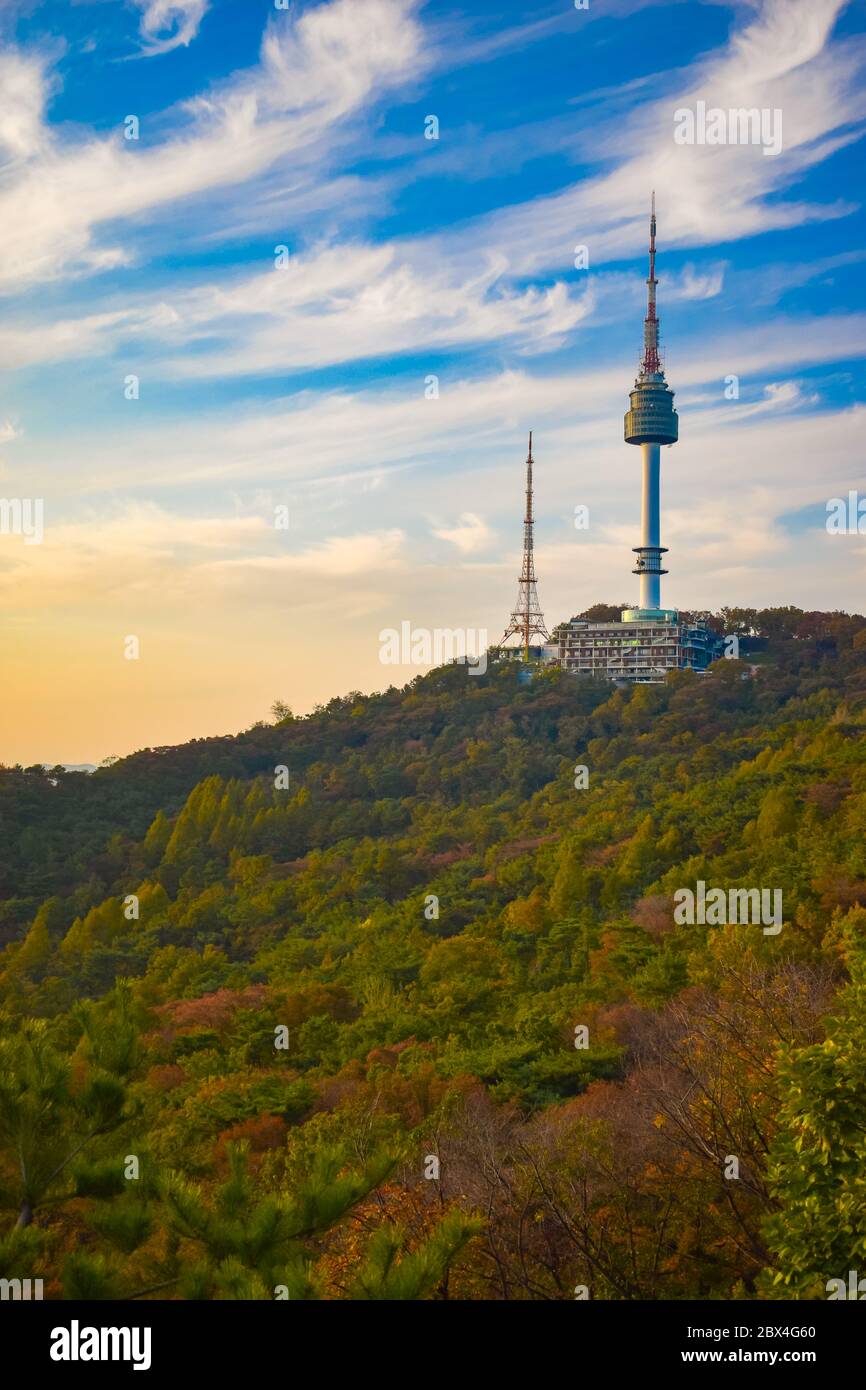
x=649, y=561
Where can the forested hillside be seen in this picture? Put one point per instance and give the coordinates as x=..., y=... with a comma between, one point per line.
x=391, y=1002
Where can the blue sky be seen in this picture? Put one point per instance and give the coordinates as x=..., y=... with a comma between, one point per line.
x=408, y=257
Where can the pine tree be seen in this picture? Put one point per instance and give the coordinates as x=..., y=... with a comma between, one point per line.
x=49, y=1115
x=817, y=1163
x=267, y=1248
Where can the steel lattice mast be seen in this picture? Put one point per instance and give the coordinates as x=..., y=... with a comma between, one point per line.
x=527, y=618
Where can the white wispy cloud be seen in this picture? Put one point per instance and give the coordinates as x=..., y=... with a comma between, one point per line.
x=24, y=88
x=146, y=550
x=334, y=435
x=725, y=530
x=337, y=304
x=469, y=535
x=168, y=24
x=29, y=344
x=313, y=73
x=343, y=302
x=338, y=556
x=697, y=284
x=781, y=58
x=366, y=301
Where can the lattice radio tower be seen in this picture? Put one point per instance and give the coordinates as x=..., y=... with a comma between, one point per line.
x=527, y=619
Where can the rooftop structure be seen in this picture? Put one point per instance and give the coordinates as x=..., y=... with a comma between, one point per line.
x=641, y=650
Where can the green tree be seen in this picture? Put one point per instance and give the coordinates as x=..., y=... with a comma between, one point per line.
x=51, y=1111
x=818, y=1161
x=264, y=1248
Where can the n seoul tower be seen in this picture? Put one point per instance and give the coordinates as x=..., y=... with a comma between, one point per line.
x=650, y=421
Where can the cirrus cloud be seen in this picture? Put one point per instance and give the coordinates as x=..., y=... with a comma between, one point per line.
x=168, y=24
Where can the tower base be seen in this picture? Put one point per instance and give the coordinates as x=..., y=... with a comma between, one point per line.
x=650, y=615
x=642, y=649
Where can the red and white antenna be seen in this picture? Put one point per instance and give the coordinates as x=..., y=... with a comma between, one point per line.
x=651, y=363
x=527, y=618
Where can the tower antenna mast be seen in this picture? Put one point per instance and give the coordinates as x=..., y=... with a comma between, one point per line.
x=527, y=619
